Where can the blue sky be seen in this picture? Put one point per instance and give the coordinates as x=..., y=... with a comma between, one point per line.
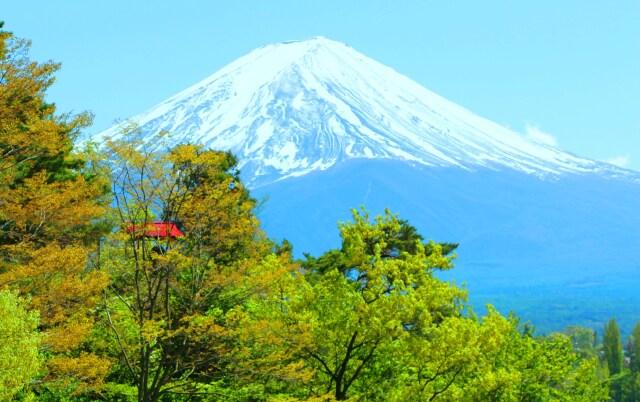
x=568, y=71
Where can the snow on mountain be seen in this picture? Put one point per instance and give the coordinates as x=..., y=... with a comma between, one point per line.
x=290, y=108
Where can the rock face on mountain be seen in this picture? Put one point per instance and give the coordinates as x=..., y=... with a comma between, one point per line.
x=320, y=128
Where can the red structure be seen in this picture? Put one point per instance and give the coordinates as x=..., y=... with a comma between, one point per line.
x=158, y=230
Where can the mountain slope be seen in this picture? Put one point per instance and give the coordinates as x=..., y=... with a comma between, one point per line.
x=558, y=252
x=292, y=108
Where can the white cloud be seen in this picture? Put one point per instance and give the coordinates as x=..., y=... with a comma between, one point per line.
x=620, y=161
x=534, y=133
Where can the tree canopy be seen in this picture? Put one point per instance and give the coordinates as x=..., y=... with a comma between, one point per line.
x=380, y=325
x=49, y=206
x=168, y=305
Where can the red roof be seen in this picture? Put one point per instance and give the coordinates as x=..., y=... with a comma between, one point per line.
x=159, y=229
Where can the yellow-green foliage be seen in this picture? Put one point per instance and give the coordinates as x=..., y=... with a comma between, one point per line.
x=388, y=329
x=19, y=342
x=170, y=304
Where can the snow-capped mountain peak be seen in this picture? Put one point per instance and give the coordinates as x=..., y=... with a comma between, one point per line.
x=291, y=108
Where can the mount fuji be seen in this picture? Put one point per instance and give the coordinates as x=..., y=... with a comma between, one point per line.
x=319, y=128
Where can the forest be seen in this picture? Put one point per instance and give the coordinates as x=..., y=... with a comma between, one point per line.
x=129, y=272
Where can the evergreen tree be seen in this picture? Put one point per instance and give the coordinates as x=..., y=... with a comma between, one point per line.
x=635, y=352
x=632, y=379
x=612, y=347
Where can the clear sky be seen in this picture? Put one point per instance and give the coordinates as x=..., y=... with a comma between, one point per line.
x=565, y=70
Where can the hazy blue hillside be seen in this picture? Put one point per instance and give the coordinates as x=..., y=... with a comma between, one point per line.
x=557, y=251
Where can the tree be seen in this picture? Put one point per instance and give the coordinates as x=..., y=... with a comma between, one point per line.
x=170, y=299
x=582, y=339
x=353, y=318
x=34, y=139
x=635, y=357
x=628, y=386
x=373, y=322
x=48, y=207
x=519, y=366
x=19, y=342
x=612, y=347
x=398, y=240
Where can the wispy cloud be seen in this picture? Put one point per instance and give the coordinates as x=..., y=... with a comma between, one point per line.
x=533, y=131
x=620, y=161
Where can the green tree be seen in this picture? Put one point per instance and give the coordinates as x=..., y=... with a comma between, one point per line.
x=630, y=383
x=19, y=342
x=372, y=323
x=349, y=321
x=582, y=339
x=403, y=239
x=527, y=368
x=612, y=346
x=635, y=350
